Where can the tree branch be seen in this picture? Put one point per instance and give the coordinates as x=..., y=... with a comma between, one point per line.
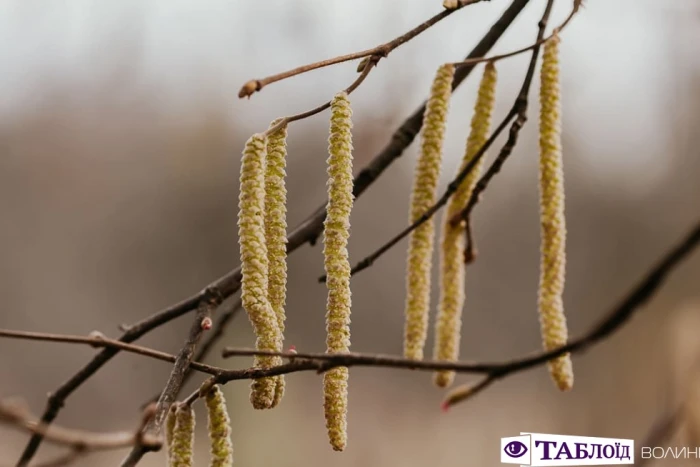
x=612, y=322
x=321, y=362
x=97, y=339
x=58, y=398
x=175, y=380
x=80, y=441
x=307, y=231
x=377, y=52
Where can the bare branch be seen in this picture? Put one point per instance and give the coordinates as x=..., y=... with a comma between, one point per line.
x=309, y=113
x=175, y=380
x=80, y=441
x=377, y=52
x=612, y=322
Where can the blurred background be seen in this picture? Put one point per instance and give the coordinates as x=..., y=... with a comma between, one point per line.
x=120, y=139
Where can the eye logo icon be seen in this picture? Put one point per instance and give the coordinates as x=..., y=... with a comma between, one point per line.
x=515, y=449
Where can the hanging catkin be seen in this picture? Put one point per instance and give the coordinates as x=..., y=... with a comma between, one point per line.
x=170, y=430
x=420, y=248
x=276, y=232
x=182, y=445
x=219, y=429
x=449, y=318
x=254, y=266
x=335, y=239
x=553, y=225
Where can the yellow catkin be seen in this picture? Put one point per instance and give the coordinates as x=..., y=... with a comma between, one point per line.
x=276, y=232
x=423, y=196
x=335, y=239
x=219, y=429
x=170, y=429
x=182, y=446
x=552, y=222
x=449, y=318
x=254, y=264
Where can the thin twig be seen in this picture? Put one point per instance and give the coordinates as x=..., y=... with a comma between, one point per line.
x=307, y=232
x=470, y=250
x=613, y=321
x=616, y=318
x=309, y=113
x=225, y=315
x=174, y=383
x=537, y=43
x=377, y=52
x=79, y=440
x=57, y=399
x=96, y=339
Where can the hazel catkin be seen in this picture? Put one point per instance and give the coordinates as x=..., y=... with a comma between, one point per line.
x=170, y=429
x=335, y=239
x=448, y=323
x=552, y=221
x=219, y=428
x=254, y=266
x=276, y=233
x=423, y=196
x=182, y=445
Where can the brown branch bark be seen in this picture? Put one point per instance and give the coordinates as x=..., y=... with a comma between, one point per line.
x=380, y=51
x=614, y=320
x=98, y=340
x=173, y=385
x=79, y=440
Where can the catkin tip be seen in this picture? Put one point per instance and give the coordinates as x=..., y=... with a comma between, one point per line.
x=182, y=446
x=336, y=233
x=552, y=219
x=423, y=196
x=219, y=427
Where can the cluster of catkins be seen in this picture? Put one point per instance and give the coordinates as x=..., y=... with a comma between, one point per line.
x=448, y=322
x=262, y=237
x=180, y=432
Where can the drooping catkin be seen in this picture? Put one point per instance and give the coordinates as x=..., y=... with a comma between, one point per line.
x=423, y=196
x=276, y=233
x=449, y=318
x=219, y=429
x=254, y=266
x=170, y=429
x=182, y=446
x=335, y=239
x=552, y=221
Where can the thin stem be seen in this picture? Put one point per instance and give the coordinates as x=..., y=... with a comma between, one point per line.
x=377, y=52
x=537, y=43
x=78, y=439
x=309, y=113
x=174, y=383
x=611, y=322
x=99, y=340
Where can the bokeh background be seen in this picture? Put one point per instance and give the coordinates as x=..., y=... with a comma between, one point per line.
x=120, y=139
